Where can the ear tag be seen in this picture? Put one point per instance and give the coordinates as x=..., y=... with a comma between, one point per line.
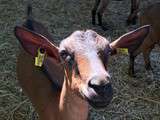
x=122, y=51
x=40, y=57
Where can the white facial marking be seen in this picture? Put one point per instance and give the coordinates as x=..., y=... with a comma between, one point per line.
x=96, y=64
x=87, y=43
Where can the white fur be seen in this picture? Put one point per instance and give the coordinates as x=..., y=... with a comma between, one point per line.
x=83, y=42
x=87, y=43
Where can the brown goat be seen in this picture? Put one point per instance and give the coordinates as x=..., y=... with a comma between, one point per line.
x=148, y=16
x=101, y=5
x=73, y=75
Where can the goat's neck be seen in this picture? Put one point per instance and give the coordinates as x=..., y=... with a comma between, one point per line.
x=71, y=105
x=50, y=104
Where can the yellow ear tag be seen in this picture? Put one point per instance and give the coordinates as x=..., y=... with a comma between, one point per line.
x=122, y=51
x=40, y=57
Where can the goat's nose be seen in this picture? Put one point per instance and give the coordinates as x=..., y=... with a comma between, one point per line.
x=102, y=86
x=99, y=81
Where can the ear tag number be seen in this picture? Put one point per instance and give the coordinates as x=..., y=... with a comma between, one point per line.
x=40, y=57
x=122, y=51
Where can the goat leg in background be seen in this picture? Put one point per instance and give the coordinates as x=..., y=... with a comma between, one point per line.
x=99, y=8
x=102, y=6
x=131, y=65
x=96, y=4
x=146, y=54
x=133, y=12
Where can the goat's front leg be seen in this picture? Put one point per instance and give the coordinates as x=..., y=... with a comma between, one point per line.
x=94, y=10
x=134, y=10
x=146, y=54
x=102, y=6
x=131, y=65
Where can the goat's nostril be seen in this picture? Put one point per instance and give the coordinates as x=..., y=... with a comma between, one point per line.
x=108, y=78
x=105, y=90
x=102, y=86
x=99, y=82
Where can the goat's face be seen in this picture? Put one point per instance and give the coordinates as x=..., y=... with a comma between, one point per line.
x=84, y=53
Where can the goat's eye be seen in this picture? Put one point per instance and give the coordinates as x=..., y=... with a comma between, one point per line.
x=66, y=56
x=99, y=53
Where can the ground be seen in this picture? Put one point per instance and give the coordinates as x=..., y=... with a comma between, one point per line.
x=134, y=98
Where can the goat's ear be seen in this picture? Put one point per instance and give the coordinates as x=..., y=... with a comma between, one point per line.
x=32, y=41
x=131, y=40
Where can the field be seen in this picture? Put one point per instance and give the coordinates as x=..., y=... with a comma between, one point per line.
x=134, y=98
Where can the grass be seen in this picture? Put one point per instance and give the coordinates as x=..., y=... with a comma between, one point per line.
x=134, y=98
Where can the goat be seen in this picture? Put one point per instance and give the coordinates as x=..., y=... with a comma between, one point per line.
x=73, y=75
x=101, y=5
x=150, y=16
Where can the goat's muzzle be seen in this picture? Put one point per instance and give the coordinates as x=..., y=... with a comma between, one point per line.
x=98, y=92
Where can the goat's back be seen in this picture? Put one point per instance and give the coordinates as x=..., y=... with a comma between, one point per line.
x=150, y=15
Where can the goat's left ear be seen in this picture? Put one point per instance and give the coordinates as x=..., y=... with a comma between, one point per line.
x=131, y=40
x=32, y=41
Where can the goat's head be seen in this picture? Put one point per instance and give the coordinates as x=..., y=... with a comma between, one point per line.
x=84, y=55
x=83, y=51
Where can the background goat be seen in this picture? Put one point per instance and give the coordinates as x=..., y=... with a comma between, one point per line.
x=101, y=5
x=150, y=16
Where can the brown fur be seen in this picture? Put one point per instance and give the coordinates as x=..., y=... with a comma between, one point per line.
x=66, y=103
x=49, y=103
x=150, y=16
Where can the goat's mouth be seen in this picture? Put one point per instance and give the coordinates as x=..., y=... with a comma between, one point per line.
x=94, y=99
x=99, y=104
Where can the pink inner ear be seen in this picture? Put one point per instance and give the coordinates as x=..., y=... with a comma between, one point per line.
x=31, y=41
x=131, y=40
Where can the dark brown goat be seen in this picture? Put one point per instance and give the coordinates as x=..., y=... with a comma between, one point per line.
x=150, y=16
x=101, y=5
x=72, y=75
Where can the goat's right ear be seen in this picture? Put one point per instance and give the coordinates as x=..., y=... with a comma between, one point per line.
x=32, y=41
x=131, y=40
